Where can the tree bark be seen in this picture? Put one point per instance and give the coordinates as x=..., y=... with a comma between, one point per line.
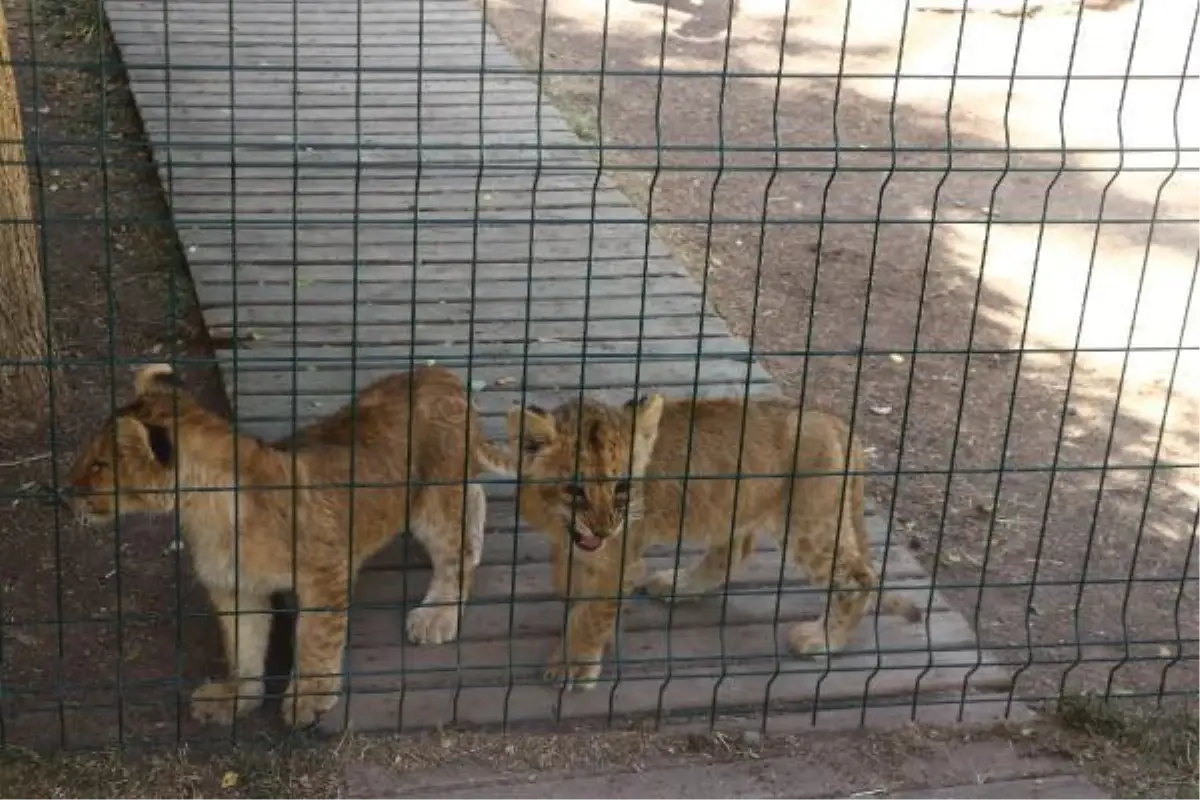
x=22, y=299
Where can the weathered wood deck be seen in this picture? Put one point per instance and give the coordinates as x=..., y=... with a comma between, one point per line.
x=359, y=192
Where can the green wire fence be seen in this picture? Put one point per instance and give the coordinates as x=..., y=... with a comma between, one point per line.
x=970, y=235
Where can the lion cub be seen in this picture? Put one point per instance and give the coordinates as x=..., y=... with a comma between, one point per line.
x=587, y=507
x=259, y=518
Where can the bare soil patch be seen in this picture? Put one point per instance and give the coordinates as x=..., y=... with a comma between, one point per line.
x=1132, y=758
x=97, y=628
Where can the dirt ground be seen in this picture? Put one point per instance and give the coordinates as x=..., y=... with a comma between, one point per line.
x=117, y=289
x=1067, y=528
x=1134, y=757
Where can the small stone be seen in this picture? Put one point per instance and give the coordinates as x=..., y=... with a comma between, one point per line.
x=882, y=411
x=896, y=358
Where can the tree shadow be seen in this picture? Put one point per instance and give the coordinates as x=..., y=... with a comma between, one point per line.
x=707, y=20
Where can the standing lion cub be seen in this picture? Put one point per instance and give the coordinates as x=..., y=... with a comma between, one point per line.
x=259, y=518
x=595, y=467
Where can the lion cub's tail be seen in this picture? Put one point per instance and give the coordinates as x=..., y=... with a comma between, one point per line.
x=154, y=378
x=889, y=602
x=901, y=606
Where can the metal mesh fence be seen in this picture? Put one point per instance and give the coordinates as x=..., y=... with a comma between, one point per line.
x=849, y=342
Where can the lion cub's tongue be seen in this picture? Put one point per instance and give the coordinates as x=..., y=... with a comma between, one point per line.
x=588, y=543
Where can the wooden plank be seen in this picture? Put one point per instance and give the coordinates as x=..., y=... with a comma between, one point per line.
x=489, y=185
x=404, y=205
x=273, y=415
x=527, y=546
x=269, y=348
x=646, y=654
x=508, y=276
x=742, y=672
x=212, y=247
x=518, y=619
x=396, y=580
x=611, y=378
x=550, y=318
x=329, y=127
x=518, y=603
x=531, y=578
x=484, y=296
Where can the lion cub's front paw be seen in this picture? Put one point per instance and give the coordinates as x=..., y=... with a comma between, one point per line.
x=580, y=674
x=808, y=639
x=306, y=700
x=432, y=624
x=665, y=587
x=220, y=702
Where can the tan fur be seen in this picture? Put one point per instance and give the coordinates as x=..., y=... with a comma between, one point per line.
x=242, y=537
x=603, y=438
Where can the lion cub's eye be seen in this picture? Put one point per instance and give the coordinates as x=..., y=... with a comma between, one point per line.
x=98, y=467
x=575, y=494
x=621, y=493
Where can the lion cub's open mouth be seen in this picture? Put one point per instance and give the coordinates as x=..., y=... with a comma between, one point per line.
x=586, y=541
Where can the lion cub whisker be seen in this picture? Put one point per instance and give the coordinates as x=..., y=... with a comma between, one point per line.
x=163, y=452
x=644, y=447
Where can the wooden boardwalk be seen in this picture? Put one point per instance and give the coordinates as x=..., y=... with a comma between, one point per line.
x=364, y=187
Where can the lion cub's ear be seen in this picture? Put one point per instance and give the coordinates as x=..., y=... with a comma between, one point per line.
x=538, y=430
x=156, y=378
x=154, y=438
x=647, y=412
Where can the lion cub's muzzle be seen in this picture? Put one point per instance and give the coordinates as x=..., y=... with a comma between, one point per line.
x=55, y=496
x=78, y=504
x=588, y=541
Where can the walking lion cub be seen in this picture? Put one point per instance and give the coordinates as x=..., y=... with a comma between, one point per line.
x=594, y=467
x=263, y=517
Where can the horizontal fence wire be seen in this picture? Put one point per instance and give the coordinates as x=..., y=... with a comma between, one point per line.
x=533, y=363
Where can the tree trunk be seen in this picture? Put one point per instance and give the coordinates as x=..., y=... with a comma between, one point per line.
x=22, y=301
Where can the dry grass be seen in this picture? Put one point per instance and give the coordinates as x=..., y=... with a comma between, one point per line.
x=1128, y=753
x=79, y=608
x=305, y=768
x=1133, y=751
x=241, y=772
